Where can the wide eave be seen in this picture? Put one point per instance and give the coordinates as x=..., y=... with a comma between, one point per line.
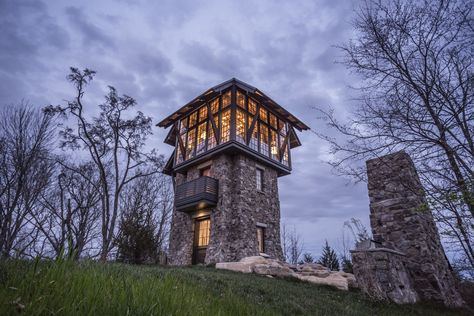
x=215, y=91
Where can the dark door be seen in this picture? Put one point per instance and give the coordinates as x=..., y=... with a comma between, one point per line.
x=202, y=230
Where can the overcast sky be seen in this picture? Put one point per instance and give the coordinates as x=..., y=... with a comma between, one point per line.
x=164, y=53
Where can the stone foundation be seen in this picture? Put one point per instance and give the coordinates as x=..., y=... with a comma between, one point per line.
x=400, y=219
x=234, y=220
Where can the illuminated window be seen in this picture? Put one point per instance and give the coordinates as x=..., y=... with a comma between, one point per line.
x=193, y=119
x=190, y=149
x=263, y=114
x=204, y=231
x=240, y=99
x=225, y=128
x=259, y=179
x=226, y=99
x=261, y=239
x=264, y=139
x=274, y=144
x=203, y=113
x=254, y=138
x=241, y=128
x=215, y=106
x=212, y=141
x=252, y=106
x=273, y=121
x=201, y=138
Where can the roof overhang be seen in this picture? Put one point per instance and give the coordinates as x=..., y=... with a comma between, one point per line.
x=215, y=91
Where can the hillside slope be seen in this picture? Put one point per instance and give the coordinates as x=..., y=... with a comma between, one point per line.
x=89, y=288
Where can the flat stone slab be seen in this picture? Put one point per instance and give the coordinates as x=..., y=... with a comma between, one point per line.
x=310, y=272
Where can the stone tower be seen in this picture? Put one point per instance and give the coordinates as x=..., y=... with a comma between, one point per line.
x=401, y=220
x=231, y=145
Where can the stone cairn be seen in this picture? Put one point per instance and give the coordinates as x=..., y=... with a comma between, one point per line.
x=405, y=262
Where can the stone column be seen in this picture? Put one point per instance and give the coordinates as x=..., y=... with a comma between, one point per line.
x=400, y=219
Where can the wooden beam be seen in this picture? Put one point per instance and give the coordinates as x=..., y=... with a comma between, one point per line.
x=210, y=117
x=254, y=122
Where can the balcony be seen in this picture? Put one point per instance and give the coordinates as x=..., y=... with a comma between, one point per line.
x=196, y=194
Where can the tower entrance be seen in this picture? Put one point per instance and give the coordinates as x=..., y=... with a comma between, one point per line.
x=202, y=232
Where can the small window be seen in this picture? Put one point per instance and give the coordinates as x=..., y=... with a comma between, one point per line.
x=206, y=172
x=259, y=179
x=261, y=239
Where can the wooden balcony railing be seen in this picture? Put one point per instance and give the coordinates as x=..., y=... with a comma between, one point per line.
x=196, y=194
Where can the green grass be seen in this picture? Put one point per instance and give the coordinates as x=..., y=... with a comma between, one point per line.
x=90, y=288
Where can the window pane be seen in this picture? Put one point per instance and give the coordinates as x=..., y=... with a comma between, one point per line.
x=201, y=139
x=273, y=121
x=193, y=119
x=183, y=125
x=204, y=232
x=215, y=106
x=190, y=149
x=264, y=139
x=226, y=99
x=203, y=113
x=241, y=99
x=263, y=115
x=259, y=179
x=212, y=142
x=179, y=155
x=252, y=106
x=274, y=144
x=225, y=129
x=254, y=138
x=241, y=128
x=285, y=159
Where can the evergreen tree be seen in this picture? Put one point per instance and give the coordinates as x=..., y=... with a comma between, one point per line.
x=346, y=264
x=329, y=258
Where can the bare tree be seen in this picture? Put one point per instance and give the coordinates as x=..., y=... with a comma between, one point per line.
x=114, y=141
x=68, y=211
x=25, y=169
x=417, y=94
x=292, y=245
x=147, y=206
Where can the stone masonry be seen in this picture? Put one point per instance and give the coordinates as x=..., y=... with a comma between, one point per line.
x=400, y=219
x=382, y=274
x=234, y=220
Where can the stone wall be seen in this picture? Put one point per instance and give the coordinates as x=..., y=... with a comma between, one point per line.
x=234, y=220
x=400, y=219
x=382, y=274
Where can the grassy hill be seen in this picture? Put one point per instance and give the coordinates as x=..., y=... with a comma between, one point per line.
x=89, y=288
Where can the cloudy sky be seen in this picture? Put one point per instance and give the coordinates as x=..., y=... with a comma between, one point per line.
x=164, y=53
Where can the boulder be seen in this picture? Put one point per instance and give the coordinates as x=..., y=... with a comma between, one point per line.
x=310, y=272
x=254, y=260
x=273, y=268
x=235, y=266
x=332, y=280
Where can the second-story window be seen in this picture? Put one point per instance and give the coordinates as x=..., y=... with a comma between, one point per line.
x=259, y=179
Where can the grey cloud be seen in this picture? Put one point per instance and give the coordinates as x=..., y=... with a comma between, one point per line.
x=91, y=34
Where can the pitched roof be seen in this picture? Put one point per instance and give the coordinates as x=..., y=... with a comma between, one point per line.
x=215, y=91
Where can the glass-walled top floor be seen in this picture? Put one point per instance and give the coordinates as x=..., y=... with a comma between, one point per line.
x=233, y=116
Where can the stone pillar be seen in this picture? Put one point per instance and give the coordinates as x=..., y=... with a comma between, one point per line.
x=381, y=273
x=400, y=219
